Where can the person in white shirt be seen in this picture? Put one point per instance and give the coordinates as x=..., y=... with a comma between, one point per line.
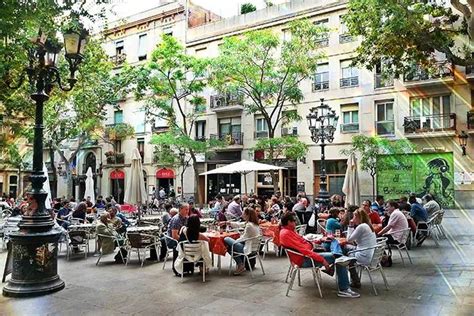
x=397, y=223
x=430, y=205
x=251, y=229
x=364, y=237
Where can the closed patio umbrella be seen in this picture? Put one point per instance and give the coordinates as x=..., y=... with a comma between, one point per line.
x=90, y=185
x=135, y=191
x=351, y=182
x=47, y=188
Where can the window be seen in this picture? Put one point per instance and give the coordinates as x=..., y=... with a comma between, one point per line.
x=349, y=74
x=261, y=128
x=344, y=36
x=118, y=146
x=321, y=78
x=230, y=130
x=13, y=185
x=385, y=118
x=141, y=147
x=336, y=171
x=323, y=39
x=118, y=117
x=350, y=118
x=382, y=80
x=431, y=113
x=201, y=130
x=119, y=48
x=139, y=122
x=168, y=31
x=286, y=35
x=289, y=127
x=142, y=46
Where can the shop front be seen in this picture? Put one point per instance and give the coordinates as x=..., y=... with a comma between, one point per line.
x=165, y=179
x=117, y=185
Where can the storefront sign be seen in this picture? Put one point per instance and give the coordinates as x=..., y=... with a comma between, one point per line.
x=400, y=175
x=117, y=174
x=165, y=174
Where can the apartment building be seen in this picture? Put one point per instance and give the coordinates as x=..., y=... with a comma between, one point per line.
x=430, y=110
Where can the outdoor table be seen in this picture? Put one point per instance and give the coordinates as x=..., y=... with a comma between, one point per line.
x=86, y=227
x=151, y=218
x=152, y=229
x=217, y=245
x=271, y=230
x=207, y=221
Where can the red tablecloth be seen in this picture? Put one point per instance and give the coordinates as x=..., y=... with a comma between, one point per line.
x=128, y=208
x=216, y=241
x=271, y=230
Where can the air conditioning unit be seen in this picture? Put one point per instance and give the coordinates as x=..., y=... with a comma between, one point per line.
x=284, y=131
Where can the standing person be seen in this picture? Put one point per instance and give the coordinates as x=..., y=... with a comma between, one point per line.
x=361, y=233
x=430, y=205
x=251, y=229
x=378, y=205
x=162, y=193
x=300, y=209
x=234, y=208
x=290, y=239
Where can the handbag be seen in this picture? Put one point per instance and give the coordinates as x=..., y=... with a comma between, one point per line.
x=312, y=220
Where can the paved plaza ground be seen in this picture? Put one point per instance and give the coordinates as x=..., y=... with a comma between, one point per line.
x=440, y=282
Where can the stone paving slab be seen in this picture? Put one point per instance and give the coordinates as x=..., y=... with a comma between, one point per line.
x=440, y=282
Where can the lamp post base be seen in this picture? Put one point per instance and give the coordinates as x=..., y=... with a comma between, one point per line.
x=34, y=263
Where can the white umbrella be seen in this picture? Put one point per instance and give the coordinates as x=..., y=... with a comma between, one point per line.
x=90, y=185
x=135, y=191
x=243, y=167
x=351, y=182
x=47, y=188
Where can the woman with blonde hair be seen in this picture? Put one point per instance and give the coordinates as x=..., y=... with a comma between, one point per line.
x=361, y=234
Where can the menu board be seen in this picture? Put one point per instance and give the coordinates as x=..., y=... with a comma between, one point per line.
x=400, y=175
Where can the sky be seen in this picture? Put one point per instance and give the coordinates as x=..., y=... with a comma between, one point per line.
x=224, y=8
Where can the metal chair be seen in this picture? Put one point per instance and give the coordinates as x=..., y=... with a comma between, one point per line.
x=321, y=225
x=76, y=221
x=253, y=254
x=294, y=269
x=374, y=264
x=137, y=242
x=77, y=239
x=301, y=229
x=169, y=250
x=116, y=239
x=192, y=253
x=437, y=223
x=427, y=228
x=402, y=245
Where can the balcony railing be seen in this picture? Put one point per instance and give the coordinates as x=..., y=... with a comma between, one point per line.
x=470, y=120
x=349, y=82
x=346, y=38
x=385, y=127
x=200, y=138
x=260, y=134
x=320, y=85
x=441, y=70
x=230, y=138
x=289, y=131
x=224, y=100
x=350, y=128
x=118, y=59
x=115, y=158
x=383, y=82
x=429, y=123
x=323, y=41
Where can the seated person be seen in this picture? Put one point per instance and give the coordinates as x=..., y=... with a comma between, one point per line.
x=115, y=221
x=332, y=223
x=63, y=214
x=417, y=212
x=430, y=205
x=80, y=211
x=397, y=222
x=251, y=229
x=104, y=227
x=191, y=233
x=100, y=203
x=290, y=239
x=167, y=215
x=362, y=234
x=194, y=211
x=348, y=215
x=372, y=211
x=174, y=227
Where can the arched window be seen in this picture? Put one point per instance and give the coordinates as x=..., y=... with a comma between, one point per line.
x=144, y=178
x=90, y=161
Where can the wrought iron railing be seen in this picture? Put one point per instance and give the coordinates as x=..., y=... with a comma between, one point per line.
x=118, y=59
x=346, y=38
x=349, y=82
x=383, y=81
x=320, y=85
x=230, y=138
x=441, y=70
x=350, y=128
x=223, y=100
x=429, y=123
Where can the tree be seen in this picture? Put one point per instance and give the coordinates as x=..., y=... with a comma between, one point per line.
x=169, y=82
x=369, y=147
x=410, y=32
x=268, y=72
x=247, y=8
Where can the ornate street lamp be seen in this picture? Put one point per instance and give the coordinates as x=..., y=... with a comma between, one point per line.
x=34, y=247
x=322, y=122
x=462, y=138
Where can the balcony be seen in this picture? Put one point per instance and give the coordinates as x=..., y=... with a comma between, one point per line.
x=349, y=82
x=323, y=41
x=227, y=102
x=385, y=128
x=350, y=128
x=442, y=73
x=289, y=131
x=260, y=134
x=113, y=158
x=429, y=123
x=118, y=59
x=230, y=139
x=383, y=82
x=320, y=85
x=470, y=120
x=346, y=38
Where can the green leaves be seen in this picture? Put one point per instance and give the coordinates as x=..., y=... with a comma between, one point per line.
x=286, y=147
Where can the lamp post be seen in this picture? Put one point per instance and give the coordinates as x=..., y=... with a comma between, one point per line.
x=322, y=122
x=463, y=141
x=34, y=246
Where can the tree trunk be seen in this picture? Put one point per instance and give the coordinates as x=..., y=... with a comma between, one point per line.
x=271, y=159
x=373, y=186
x=196, y=176
x=183, y=169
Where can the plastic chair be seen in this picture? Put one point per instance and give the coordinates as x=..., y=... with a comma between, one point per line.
x=169, y=250
x=253, y=254
x=192, y=253
x=294, y=269
x=117, y=240
x=374, y=264
x=402, y=245
x=77, y=239
x=140, y=241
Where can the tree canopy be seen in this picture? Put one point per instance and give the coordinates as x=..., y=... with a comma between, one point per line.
x=408, y=32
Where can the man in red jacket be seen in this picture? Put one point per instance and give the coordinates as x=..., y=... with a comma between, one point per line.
x=290, y=239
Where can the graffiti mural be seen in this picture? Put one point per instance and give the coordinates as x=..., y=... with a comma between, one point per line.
x=432, y=173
